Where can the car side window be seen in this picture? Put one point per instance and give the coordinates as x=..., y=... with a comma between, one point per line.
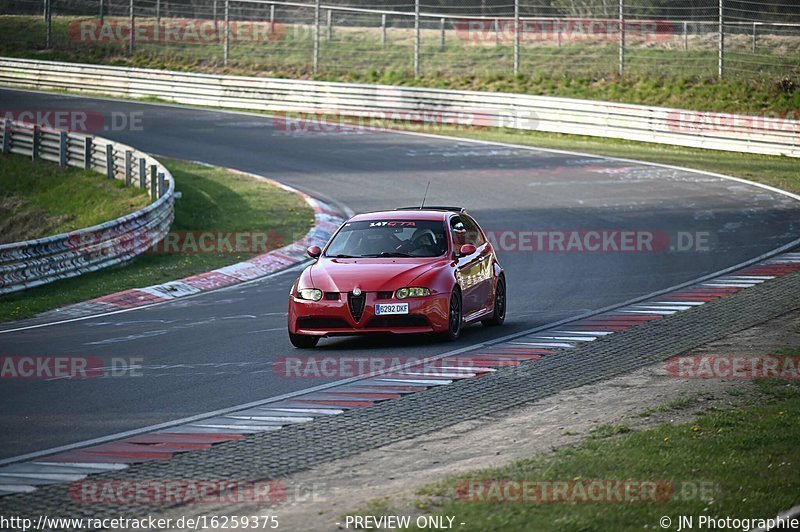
x=459, y=231
x=474, y=235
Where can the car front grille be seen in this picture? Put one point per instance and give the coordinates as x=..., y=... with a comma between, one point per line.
x=312, y=322
x=410, y=320
x=356, y=304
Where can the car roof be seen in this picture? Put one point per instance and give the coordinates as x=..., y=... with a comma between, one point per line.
x=425, y=214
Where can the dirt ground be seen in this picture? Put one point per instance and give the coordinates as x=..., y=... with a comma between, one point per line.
x=388, y=477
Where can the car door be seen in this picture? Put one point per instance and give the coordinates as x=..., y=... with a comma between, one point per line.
x=468, y=268
x=483, y=291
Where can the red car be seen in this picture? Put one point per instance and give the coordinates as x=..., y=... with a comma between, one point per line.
x=406, y=271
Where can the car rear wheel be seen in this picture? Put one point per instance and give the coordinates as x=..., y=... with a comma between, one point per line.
x=499, y=315
x=303, y=340
x=455, y=315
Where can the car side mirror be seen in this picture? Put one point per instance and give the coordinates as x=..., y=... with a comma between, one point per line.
x=314, y=252
x=466, y=249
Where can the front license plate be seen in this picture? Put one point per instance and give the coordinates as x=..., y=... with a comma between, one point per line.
x=391, y=308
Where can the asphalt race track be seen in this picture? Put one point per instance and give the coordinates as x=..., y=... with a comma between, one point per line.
x=215, y=350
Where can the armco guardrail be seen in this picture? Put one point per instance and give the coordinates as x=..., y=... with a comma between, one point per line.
x=35, y=262
x=716, y=131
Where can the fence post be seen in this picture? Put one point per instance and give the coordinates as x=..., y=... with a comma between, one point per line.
x=161, y=184
x=48, y=10
x=383, y=30
x=516, y=37
x=128, y=167
x=442, y=43
x=142, y=172
x=621, y=37
x=153, y=182
x=227, y=50
x=315, y=65
x=496, y=31
x=685, y=36
x=7, y=136
x=158, y=12
x=754, y=37
x=87, y=153
x=102, y=12
x=110, y=161
x=416, y=39
x=131, y=37
x=214, y=16
x=329, y=35
x=37, y=140
x=272, y=18
x=721, y=38
x=63, y=148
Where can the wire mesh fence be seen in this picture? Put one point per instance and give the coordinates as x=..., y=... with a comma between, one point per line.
x=757, y=39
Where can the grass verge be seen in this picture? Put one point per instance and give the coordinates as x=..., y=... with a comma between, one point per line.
x=214, y=200
x=39, y=198
x=661, y=76
x=734, y=462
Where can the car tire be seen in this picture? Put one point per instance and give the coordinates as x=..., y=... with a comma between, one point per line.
x=303, y=341
x=455, y=315
x=499, y=315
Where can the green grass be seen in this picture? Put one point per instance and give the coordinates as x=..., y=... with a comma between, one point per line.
x=39, y=198
x=212, y=199
x=658, y=75
x=742, y=459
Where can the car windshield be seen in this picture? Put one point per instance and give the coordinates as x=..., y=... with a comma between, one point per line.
x=389, y=238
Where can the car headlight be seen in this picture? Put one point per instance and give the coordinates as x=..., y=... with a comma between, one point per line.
x=312, y=294
x=412, y=291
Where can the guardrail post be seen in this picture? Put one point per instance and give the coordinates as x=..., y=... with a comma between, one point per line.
x=7, y=136
x=37, y=140
x=153, y=182
x=142, y=172
x=416, y=38
x=128, y=167
x=87, y=153
x=315, y=61
x=110, y=161
x=329, y=33
x=442, y=43
x=721, y=39
x=383, y=30
x=63, y=148
x=161, y=184
x=621, y=37
x=517, y=30
x=227, y=39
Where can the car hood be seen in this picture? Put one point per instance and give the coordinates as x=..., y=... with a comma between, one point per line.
x=370, y=274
